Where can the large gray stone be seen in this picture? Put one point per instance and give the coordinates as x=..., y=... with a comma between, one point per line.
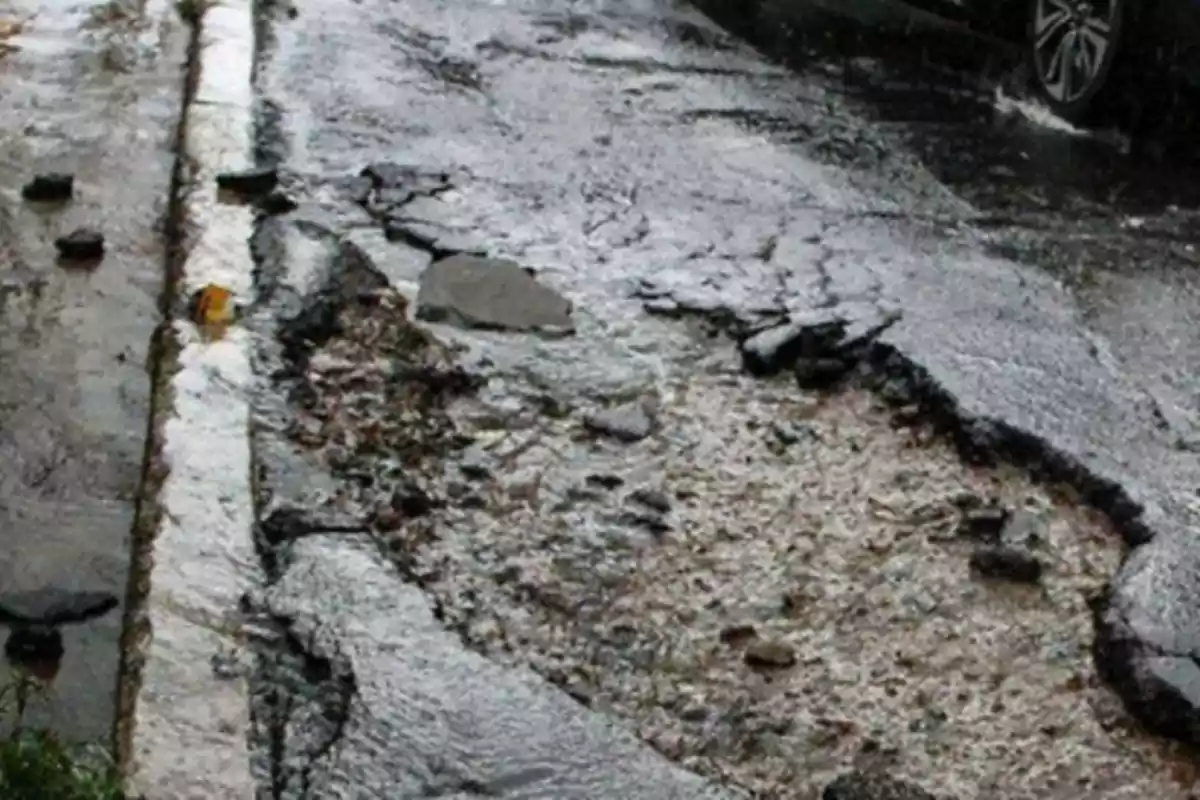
x=490, y=293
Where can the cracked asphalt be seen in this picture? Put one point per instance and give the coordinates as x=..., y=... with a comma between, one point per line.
x=425, y=481
x=526, y=526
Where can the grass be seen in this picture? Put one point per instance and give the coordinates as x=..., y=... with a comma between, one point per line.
x=36, y=765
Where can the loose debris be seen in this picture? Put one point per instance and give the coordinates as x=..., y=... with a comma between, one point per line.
x=1009, y=563
x=51, y=187
x=82, y=244
x=628, y=422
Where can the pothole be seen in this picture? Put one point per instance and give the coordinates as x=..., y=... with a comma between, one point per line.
x=772, y=587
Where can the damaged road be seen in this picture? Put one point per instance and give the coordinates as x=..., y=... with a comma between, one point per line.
x=507, y=341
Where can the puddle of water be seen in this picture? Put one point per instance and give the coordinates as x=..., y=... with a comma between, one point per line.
x=74, y=342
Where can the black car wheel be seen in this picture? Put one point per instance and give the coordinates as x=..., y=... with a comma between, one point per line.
x=1072, y=47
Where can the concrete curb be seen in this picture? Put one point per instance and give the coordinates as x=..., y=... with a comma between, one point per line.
x=188, y=728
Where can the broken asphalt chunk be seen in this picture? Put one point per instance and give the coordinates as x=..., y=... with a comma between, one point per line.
x=406, y=177
x=490, y=294
x=249, y=182
x=82, y=244
x=49, y=187
x=840, y=333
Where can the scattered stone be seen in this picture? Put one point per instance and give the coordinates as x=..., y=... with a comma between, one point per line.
x=793, y=602
x=278, y=202
x=606, y=482
x=1023, y=529
x=51, y=607
x=769, y=654
x=1006, y=563
x=490, y=294
x=82, y=244
x=474, y=470
x=967, y=500
x=49, y=187
x=819, y=374
x=738, y=634
x=410, y=500
x=652, y=499
x=249, y=182
x=651, y=522
x=788, y=435
x=873, y=785
x=628, y=422
x=896, y=392
x=984, y=523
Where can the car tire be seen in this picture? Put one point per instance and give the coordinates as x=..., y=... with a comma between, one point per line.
x=1074, y=51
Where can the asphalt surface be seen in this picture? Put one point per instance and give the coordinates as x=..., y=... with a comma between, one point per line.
x=93, y=90
x=1044, y=276
x=630, y=143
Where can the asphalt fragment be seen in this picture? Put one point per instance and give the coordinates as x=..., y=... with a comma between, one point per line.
x=81, y=244
x=50, y=187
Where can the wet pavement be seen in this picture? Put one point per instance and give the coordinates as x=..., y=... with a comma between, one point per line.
x=664, y=187
x=94, y=90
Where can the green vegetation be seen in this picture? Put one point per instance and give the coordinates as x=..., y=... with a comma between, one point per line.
x=35, y=765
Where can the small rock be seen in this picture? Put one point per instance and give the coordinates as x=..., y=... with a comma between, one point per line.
x=490, y=294
x=1006, y=563
x=278, y=202
x=1023, y=529
x=629, y=422
x=651, y=522
x=250, y=182
x=738, y=634
x=873, y=785
x=984, y=524
x=967, y=500
x=769, y=654
x=412, y=501
x=788, y=435
x=821, y=373
x=607, y=482
x=82, y=244
x=475, y=470
x=50, y=187
x=793, y=602
x=652, y=499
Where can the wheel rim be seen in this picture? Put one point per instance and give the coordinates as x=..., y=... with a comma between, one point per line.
x=1072, y=40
